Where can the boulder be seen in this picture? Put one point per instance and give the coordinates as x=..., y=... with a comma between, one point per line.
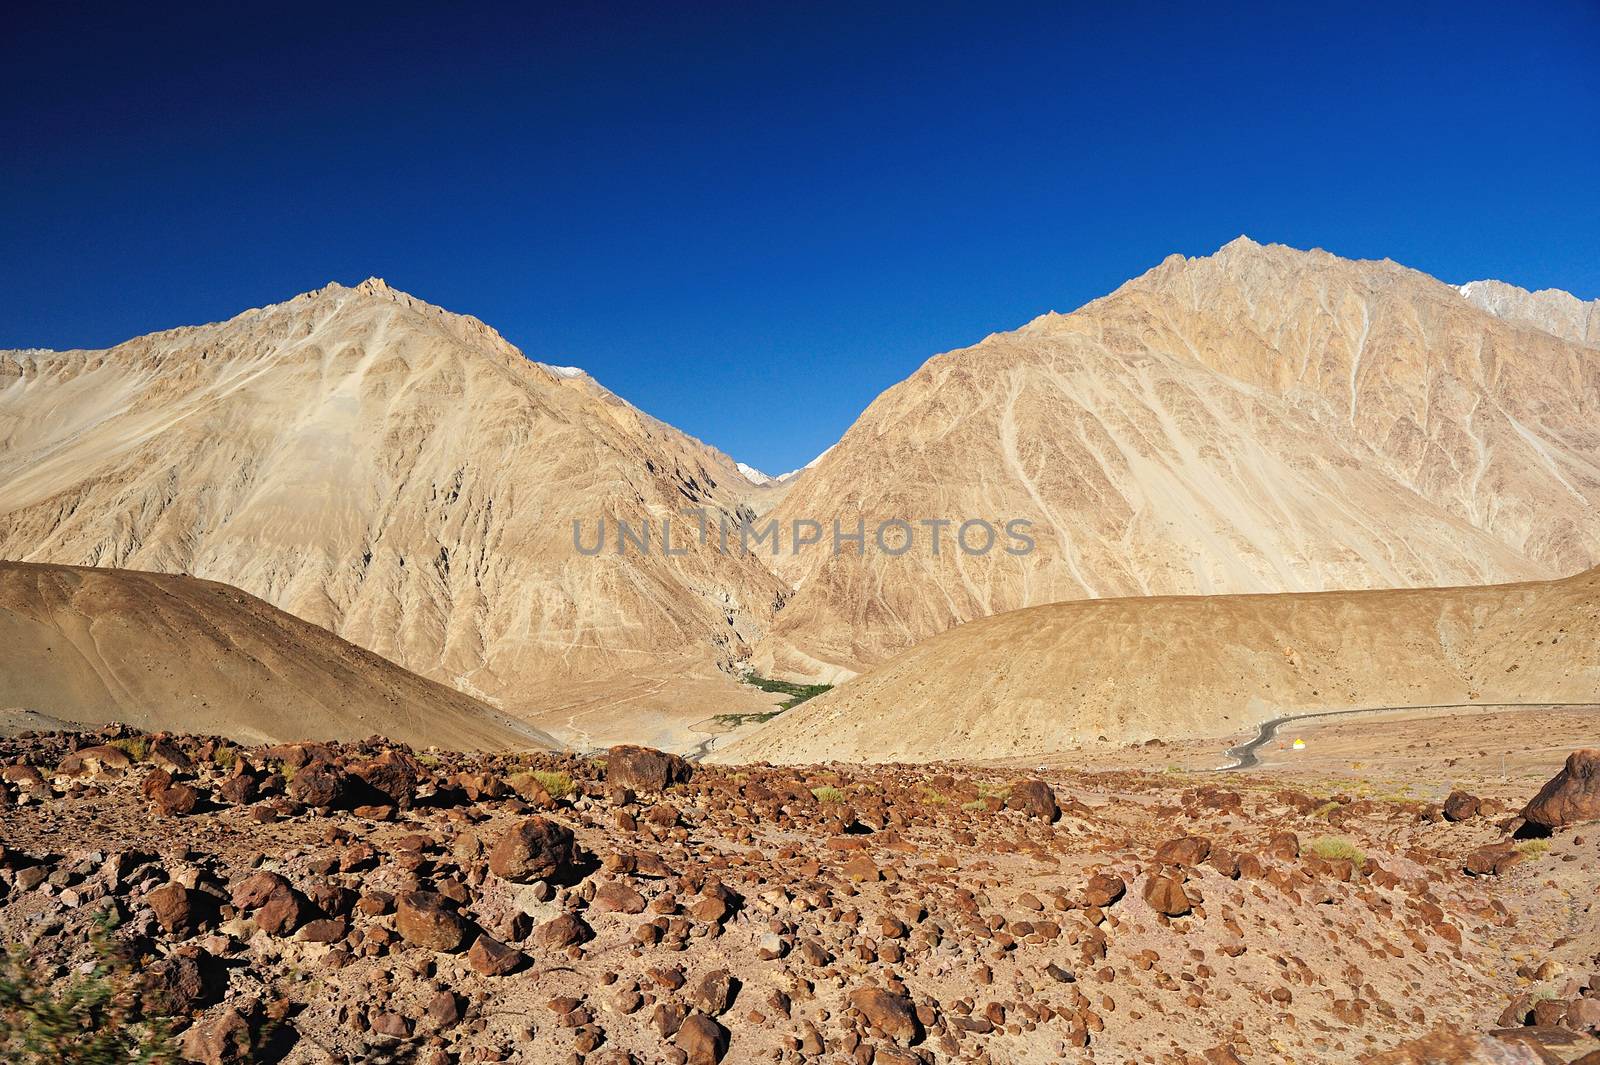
x=1103, y=890
x=535, y=849
x=1460, y=806
x=1571, y=796
x=423, y=919
x=644, y=769
x=318, y=784
x=891, y=1014
x=1034, y=798
x=701, y=1039
x=1165, y=894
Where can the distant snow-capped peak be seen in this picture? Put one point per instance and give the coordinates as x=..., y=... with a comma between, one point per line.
x=753, y=475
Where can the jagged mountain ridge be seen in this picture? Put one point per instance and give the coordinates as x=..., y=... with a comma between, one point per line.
x=393, y=472
x=1263, y=419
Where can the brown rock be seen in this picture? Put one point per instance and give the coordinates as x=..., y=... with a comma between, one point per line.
x=173, y=909
x=1103, y=890
x=891, y=1014
x=702, y=1039
x=1188, y=851
x=423, y=919
x=563, y=931
x=1034, y=798
x=1165, y=894
x=1571, y=796
x=223, y=1040
x=1460, y=806
x=645, y=769
x=491, y=957
x=536, y=849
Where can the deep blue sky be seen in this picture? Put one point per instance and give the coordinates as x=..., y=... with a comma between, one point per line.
x=751, y=218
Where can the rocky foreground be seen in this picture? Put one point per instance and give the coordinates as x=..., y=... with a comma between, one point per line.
x=316, y=903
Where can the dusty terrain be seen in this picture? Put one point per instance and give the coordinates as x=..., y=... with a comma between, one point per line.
x=165, y=652
x=1109, y=671
x=1258, y=420
x=358, y=904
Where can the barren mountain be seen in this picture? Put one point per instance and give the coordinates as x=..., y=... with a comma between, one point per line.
x=175, y=653
x=398, y=474
x=1048, y=678
x=1260, y=420
x=1550, y=309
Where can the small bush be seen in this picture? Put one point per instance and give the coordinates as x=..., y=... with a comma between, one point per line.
x=1336, y=848
x=1532, y=848
x=826, y=794
x=87, y=1019
x=558, y=785
x=225, y=757
x=135, y=747
x=974, y=806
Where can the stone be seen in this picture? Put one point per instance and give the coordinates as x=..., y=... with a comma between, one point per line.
x=223, y=1040
x=564, y=931
x=1165, y=894
x=1034, y=798
x=702, y=1039
x=645, y=769
x=423, y=919
x=491, y=957
x=891, y=1014
x=1460, y=806
x=1187, y=851
x=171, y=905
x=713, y=993
x=1571, y=796
x=1104, y=890
x=535, y=849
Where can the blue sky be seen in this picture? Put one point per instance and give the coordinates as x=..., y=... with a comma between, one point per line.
x=750, y=218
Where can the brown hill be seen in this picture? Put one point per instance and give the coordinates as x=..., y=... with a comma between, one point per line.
x=174, y=653
x=398, y=474
x=1260, y=420
x=1050, y=678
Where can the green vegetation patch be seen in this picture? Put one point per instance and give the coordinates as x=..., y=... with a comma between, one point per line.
x=87, y=1018
x=1336, y=848
x=798, y=693
x=827, y=793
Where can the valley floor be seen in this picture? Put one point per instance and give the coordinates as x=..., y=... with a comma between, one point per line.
x=357, y=903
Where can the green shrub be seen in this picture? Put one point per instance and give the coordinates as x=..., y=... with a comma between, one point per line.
x=1532, y=848
x=828, y=794
x=82, y=1019
x=1336, y=848
x=135, y=747
x=558, y=785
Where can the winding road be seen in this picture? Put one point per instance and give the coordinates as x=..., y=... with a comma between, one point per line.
x=1244, y=754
